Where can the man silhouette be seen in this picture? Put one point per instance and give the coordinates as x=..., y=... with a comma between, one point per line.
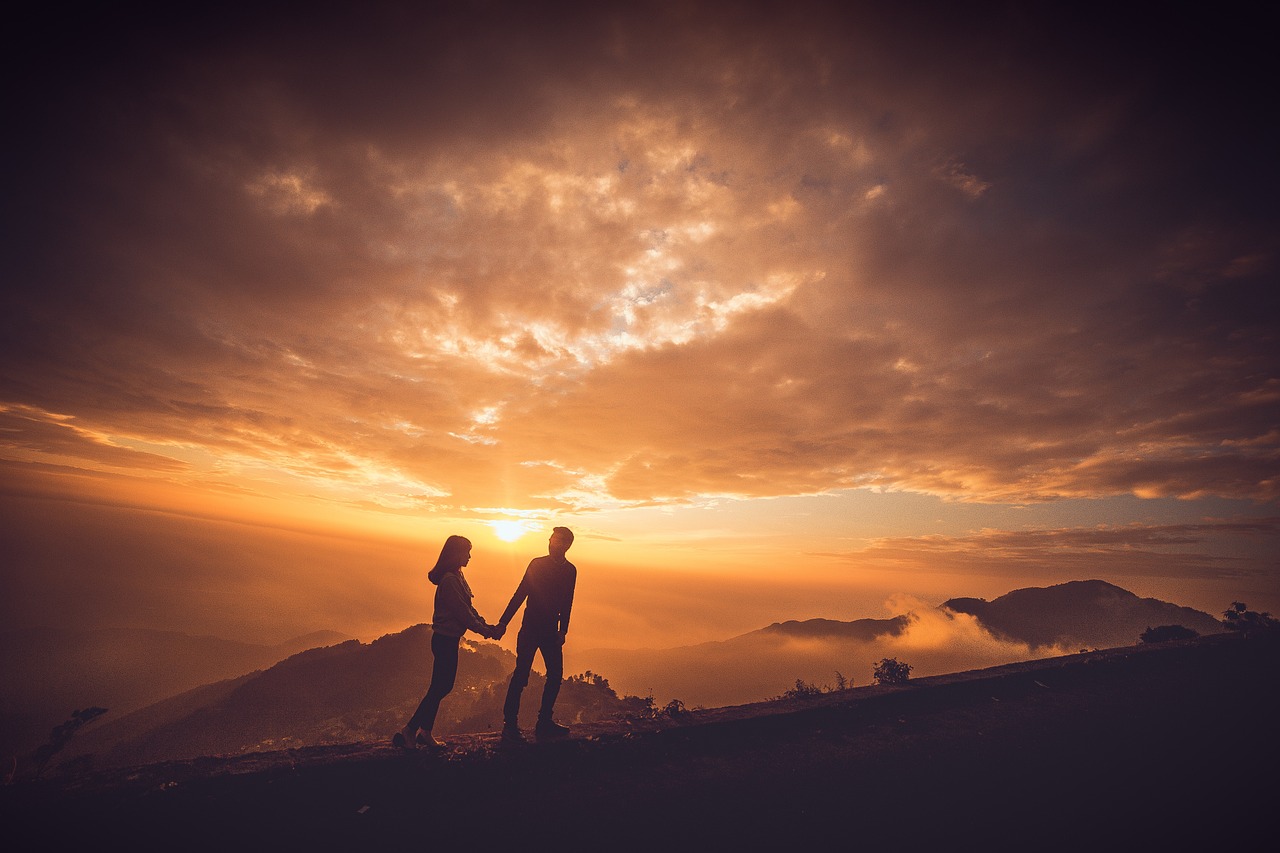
x=548, y=586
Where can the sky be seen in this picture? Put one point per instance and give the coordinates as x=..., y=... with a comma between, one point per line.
x=789, y=310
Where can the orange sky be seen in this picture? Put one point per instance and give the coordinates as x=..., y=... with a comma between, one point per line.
x=784, y=311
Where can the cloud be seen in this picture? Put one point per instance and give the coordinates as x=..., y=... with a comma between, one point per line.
x=1188, y=550
x=673, y=251
x=954, y=173
x=98, y=564
x=28, y=430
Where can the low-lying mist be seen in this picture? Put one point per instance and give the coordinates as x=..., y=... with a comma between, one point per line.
x=764, y=664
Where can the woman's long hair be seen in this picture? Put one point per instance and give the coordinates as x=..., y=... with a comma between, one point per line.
x=455, y=550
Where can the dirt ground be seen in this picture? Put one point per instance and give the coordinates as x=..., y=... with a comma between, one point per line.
x=1171, y=744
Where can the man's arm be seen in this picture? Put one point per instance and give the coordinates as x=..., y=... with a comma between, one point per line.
x=568, y=606
x=521, y=593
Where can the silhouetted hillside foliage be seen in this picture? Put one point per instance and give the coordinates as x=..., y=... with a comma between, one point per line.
x=62, y=734
x=1092, y=614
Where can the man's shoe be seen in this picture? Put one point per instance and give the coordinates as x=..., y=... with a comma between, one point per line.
x=512, y=735
x=425, y=739
x=550, y=729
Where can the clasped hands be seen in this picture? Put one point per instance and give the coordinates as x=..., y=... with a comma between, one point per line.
x=494, y=632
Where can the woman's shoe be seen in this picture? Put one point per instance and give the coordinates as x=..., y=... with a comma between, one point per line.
x=402, y=740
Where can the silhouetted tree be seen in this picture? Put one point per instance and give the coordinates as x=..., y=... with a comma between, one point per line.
x=589, y=677
x=1238, y=617
x=61, y=736
x=891, y=671
x=1166, y=633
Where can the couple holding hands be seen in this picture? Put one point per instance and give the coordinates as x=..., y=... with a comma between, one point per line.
x=547, y=587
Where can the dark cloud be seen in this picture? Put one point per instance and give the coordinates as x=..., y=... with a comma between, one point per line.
x=1189, y=551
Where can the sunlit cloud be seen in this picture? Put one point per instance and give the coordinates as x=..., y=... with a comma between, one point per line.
x=653, y=257
x=955, y=174
x=287, y=193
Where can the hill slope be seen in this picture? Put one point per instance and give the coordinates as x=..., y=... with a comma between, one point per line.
x=1134, y=748
x=336, y=694
x=48, y=673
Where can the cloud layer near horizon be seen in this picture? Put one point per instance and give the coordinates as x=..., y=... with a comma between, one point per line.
x=481, y=259
x=763, y=665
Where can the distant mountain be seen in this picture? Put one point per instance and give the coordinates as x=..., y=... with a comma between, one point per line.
x=49, y=673
x=1087, y=614
x=339, y=694
x=962, y=634
x=827, y=629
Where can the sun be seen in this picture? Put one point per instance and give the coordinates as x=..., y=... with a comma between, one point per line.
x=508, y=531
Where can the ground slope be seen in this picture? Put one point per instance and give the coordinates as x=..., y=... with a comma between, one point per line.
x=1121, y=749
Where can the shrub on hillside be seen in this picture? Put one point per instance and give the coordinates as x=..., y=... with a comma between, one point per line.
x=891, y=671
x=647, y=709
x=1167, y=633
x=805, y=690
x=802, y=690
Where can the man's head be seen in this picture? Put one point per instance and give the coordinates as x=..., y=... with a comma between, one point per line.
x=561, y=539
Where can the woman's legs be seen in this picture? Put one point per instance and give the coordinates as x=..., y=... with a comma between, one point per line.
x=444, y=671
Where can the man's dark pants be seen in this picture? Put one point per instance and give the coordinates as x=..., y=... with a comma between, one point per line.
x=527, y=643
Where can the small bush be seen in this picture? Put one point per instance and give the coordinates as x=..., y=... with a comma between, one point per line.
x=802, y=690
x=891, y=671
x=647, y=709
x=1167, y=633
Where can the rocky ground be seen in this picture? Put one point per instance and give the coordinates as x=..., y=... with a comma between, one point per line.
x=1137, y=748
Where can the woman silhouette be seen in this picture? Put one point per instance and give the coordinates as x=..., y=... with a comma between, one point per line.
x=453, y=617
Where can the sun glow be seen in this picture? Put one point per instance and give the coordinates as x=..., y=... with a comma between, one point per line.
x=508, y=531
